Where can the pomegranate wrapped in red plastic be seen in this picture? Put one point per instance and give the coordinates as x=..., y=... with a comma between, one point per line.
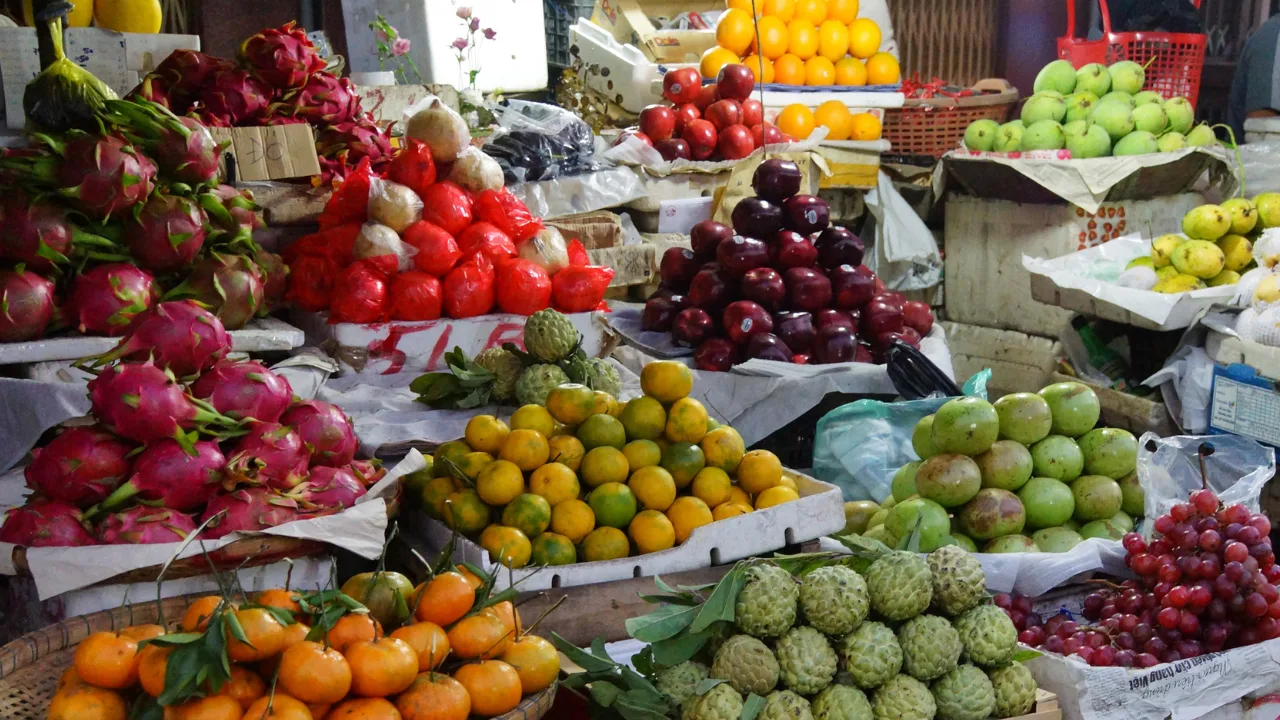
x=438, y=252
x=580, y=288
x=350, y=202
x=448, y=206
x=523, y=287
x=413, y=167
x=311, y=282
x=469, y=288
x=337, y=243
x=484, y=238
x=416, y=295
x=359, y=294
x=393, y=204
x=381, y=245
x=504, y=210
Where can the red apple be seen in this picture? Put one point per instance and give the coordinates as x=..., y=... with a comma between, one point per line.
x=880, y=317
x=879, y=286
x=743, y=318
x=756, y=217
x=767, y=346
x=830, y=316
x=795, y=329
x=658, y=122
x=672, y=149
x=806, y=214
x=682, y=85
x=706, y=96
x=739, y=254
x=701, y=136
x=917, y=316
x=776, y=180
x=892, y=297
x=801, y=359
x=723, y=113
x=686, y=114
x=864, y=355
x=838, y=246
x=692, y=326
x=658, y=314
x=736, y=143
x=764, y=286
x=853, y=286
x=662, y=292
x=735, y=82
x=794, y=250
x=752, y=112
x=710, y=290
x=787, y=138
x=634, y=133
x=911, y=336
x=716, y=354
x=807, y=289
x=677, y=268
x=834, y=344
x=681, y=301
x=765, y=134
x=706, y=236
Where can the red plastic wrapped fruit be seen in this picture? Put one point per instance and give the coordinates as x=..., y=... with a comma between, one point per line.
x=359, y=295
x=468, y=288
x=438, y=252
x=523, y=287
x=416, y=295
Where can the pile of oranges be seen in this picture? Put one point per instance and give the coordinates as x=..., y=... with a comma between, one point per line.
x=461, y=653
x=802, y=42
x=799, y=121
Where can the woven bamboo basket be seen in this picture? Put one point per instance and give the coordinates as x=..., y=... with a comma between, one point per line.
x=31, y=665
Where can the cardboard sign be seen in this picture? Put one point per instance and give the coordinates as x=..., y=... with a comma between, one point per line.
x=271, y=152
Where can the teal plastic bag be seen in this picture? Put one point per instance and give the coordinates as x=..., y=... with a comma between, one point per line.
x=859, y=446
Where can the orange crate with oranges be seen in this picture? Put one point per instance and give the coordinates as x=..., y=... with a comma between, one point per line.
x=936, y=125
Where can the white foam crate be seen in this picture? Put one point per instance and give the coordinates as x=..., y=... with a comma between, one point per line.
x=819, y=512
x=261, y=335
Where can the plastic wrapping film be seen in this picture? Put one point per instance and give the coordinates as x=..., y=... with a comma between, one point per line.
x=536, y=142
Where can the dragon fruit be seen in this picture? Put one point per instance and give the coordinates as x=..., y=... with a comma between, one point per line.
x=82, y=466
x=186, y=72
x=167, y=233
x=328, y=488
x=326, y=430
x=326, y=99
x=153, y=88
x=346, y=143
x=275, y=280
x=168, y=475
x=270, y=454
x=145, y=404
x=282, y=57
x=239, y=205
x=46, y=523
x=245, y=390
x=248, y=510
x=41, y=234
x=180, y=336
x=232, y=98
x=145, y=525
x=102, y=176
x=109, y=298
x=368, y=472
x=229, y=285
x=189, y=156
x=27, y=305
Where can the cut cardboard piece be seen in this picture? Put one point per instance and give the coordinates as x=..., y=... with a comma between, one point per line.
x=270, y=152
x=631, y=21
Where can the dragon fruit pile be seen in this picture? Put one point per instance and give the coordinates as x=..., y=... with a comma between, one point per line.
x=182, y=434
x=96, y=228
x=278, y=78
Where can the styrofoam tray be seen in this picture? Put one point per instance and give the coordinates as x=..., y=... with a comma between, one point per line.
x=260, y=335
x=818, y=512
x=1228, y=349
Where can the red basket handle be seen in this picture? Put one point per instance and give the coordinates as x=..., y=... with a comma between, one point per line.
x=1106, y=17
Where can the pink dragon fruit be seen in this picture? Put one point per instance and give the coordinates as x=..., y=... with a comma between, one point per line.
x=168, y=475
x=103, y=176
x=328, y=488
x=82, y=466
x=245, y=213
x=109, y=298
x=270, y=454
x=154, y=88
x=145, y=525
x=275, y=280
x=245, y=390
x=40, y=234
x=229, y=285
x=369, y=471
x=283, y=57
x=348, y=142
x=46, y=523
x=190, y=157
x=326, y=430
x=248, y=510
x=167, y=233
x=145, y=404
x=326, y=99
x=27, y=305
x=234, y=97
x=180, y=336
x=186, y=73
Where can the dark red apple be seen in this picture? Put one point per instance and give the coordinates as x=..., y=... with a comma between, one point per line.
x=735, y=143
x=893, y=297
x=879, y=286
x=765, y=134
x=832, y=317
x=735, y=82
x=739, y=254
x=833, y=344
x=795, y=329
x=710, y=290
x=692, y=326
x=918, y=316
x=723, y=113
x=839, y=246
x=658, y=122
x=776, y=180
x=686, y=114
x=801, y=359
x=681, y=301
x=764, y=286
x=884, y=341
x=662, y=292
x=807, y=289
x=756, y=217
x=634, y=133
x=682, y=85
x=716, y=354
x=767, y=346
x=701, y=136
x=863, y=355
x=743, y=318
x=658, y=314
x=706, y=96
x=673, y=149
x=853, y=286
x=752, y=112
x=911, y=336
x=791, y=249
x=880, y=317
x=806, y=214
x=706, y=236
x=677, y=268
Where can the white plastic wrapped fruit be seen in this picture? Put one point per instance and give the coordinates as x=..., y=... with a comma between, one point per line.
x=393, y=205
x=377, y=240
x=1246, y=323
x=476, y=171
x=442, y=129
x=1138, y=278
x=1266, y=251
x=1247, y=283
x=547, y=249
x=1266, y=328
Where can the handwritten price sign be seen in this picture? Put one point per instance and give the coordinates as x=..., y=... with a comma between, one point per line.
x=273, y=152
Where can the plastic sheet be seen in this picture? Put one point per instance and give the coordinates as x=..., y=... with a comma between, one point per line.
x=904, y=255
x=447, y=205
x=582, y=193
x=393, y=204
x=537, y=142
x=1236, y=471
x=414, y=167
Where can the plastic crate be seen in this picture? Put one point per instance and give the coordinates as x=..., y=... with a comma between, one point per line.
x=559, y=16
x=934, y=126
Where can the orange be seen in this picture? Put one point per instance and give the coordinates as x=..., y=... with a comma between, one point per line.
x=152, y=661
x=783, y=10
x=882, y=69
x=714, y=59
x=775, y=496
x=833, y=40
x=265, y=634
x=759, y=470
x=851, y=71
x=735, y=32
x=535, y=661
x=745, y=5
x=472, y=579
x=815, y=11
x=107, y=660
x=380, y=668
x=196, y=619
x=762, y=68
x=313, y=673
x=278, y=707
x=69, y=678
x=839, y=122
x=483, y=636
x=293, y=634
x=819, y=71
x=245, y=686
x=86, y=702
x=494, y=687
x=506, y=612
x=864, y=38
x=363, y=709
x=214, y=707
x=774, y=37
x=865, y=127
x=842, y=10
x=318, y=710
x=789, y=70
x=428, y=640
x=280, y=598
x=804, y=39
x=138, y=633
x=432, y=696
x=447, y=597
x=796, y=120
x=688, y=514
x=352, y=628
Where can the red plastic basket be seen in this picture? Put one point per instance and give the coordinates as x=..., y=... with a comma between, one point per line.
x=1173, y=60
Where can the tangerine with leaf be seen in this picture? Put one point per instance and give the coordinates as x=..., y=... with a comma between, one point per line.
x=198, y=614
x=264, y=633
x=352, y=628
x=380, y=668
x=444, y=599
x=107, y=660
x=278, y=707
x=428, y=640
x=245, y=687
x=494, y=687
x=434, y=696
x=313, y=673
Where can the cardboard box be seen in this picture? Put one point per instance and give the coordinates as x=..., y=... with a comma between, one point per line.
x=631, y=21
x=1018, y=362
x=596, y=230
x=270, y=152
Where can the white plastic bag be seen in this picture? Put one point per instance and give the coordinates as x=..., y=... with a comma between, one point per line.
x=377, y=240
x=393, y=205
x=1169, y=469
x=476, y=171
x=547, y=250
x=904, y=255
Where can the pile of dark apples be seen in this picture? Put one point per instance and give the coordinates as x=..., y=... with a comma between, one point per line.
x=782, y=284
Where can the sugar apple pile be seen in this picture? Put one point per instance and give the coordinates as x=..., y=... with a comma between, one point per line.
x=549, y=336
x=602, y=375
x=506, y=369
x=538, y=380
x=911, y=639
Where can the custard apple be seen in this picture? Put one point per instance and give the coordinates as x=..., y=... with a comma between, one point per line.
x=805, y=660
x=930, y=647
x=958, y=581
x=538, y=380
x=602, y=375
x=549, y=336
x=766, y=607
x=1015, y=690
x=989, y=637
x=903, y=698
x=834, y=599
x=680, y=682
x=785, y=705
x=721, y=702
x=718, y=633
x=871, y=655
x=747, y=664
x=900, y=585
x=965, y=693
x=506, y=369
x=841, y=702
